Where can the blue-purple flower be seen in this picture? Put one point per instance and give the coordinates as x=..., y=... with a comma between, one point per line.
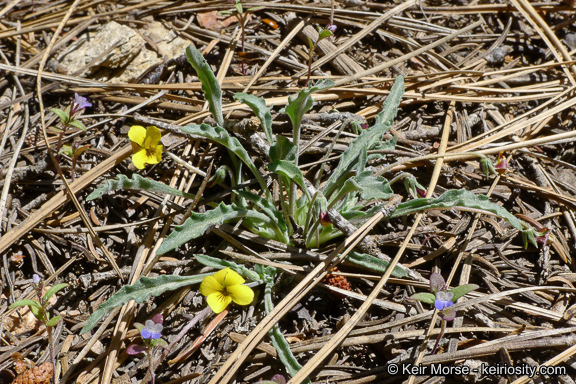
x=152, y=328
x=79, y=104
x=331, y=28
x=36, y=279
x=443, y=300
x=325, y=219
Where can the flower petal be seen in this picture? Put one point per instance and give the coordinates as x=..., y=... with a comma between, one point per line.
x=153, y=136
x=139, y=159
x=210, y=285
x=137, y=134
x=158, y=153
x=218, y=302
x=228, y=277
x=241, y=294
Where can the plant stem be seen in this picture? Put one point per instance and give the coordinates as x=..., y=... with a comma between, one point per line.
x=51, y=347
x=150, y=363
x=439, y=336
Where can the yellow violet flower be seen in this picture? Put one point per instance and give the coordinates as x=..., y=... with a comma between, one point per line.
x=145, y=145
x=224, y=287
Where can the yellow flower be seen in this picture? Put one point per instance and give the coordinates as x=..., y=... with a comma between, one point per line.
x=145, y=145
x=224, y=287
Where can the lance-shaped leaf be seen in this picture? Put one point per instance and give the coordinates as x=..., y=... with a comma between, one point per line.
x=289, y=170
x=298, y=106
x=462, y=290
x=258, y=106
x=214, y=262
x=373, y=263
x=354, y=158
x=221, y=136
x=210, y=85
x=457, y=198
x=425, y=297
x=140, y=292
x=266, y=207
x=199, y=223
x=53, y=290
x=25, y=302
x=137, y=182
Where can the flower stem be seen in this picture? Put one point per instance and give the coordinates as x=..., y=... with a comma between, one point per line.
x=439, y=336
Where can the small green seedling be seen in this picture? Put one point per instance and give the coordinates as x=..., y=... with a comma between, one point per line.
x=39, y=309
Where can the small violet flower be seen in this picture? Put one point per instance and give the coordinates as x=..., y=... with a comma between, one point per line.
x=36, y=279
x=152, y=328
x=223, y=287
x=79, y=104
x=325, y=219
x=331, y=28
x=443, y=300
x=145, y=145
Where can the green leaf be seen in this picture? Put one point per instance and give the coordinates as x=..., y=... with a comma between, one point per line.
x=53, y=290
x=373, y=263
x=78, y=124
x=39, y=313
x=463, y=290
x=61, y=114
x=221, y=264
x=199, y=223
x=425, y=297
x=283, y=149
x=324, y=34
x=53, y=321
x=258, y=106
x=67, y=150
x=310, y=45
x=298, y=106
x=374, y=188
x=140, y=292
x=210, y=85
x=289, y=170
x=266, y=207
x=139, y=183
x=456, y=198
x=25, y=302
x=351, y=158
x=221, y=136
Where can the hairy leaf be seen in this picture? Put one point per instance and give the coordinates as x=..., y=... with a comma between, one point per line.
x=374, y=188
x=373, y=263
x=354, y=158
x=210, y=85
x=140, y=292
x=289, y=170
x=258, y=106
x=456, y=198
x=298, y=106
x=266, y=207
x=136, y=182
x=199, y=223
x=221, y=136
x=283, y=149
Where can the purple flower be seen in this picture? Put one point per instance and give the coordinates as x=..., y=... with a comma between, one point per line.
x=331, y=27
x=364, y=126
x=443, y=300
x=152, y=329
x=36, y=279
x=79, y=104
